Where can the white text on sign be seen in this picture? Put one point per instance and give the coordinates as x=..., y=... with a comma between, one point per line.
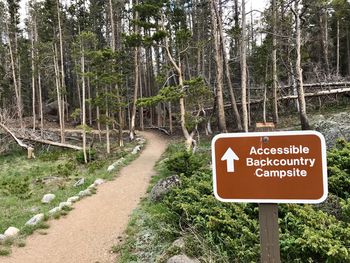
x=289, y=163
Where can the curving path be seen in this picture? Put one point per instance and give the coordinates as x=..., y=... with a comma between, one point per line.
x=88, y=232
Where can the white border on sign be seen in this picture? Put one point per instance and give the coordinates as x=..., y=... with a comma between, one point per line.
x=269, y=134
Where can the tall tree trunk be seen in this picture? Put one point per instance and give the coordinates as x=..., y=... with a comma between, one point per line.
x=14, y=76
x=83, y=100
x=298, y=70
x=136, y=78
x=32, y=38
x=338, y=49
x=244, y=70
x=274, y=62
x=59, y=94
x=228, y=74
x=219, y=66
x=63, y=82
x=114, y=46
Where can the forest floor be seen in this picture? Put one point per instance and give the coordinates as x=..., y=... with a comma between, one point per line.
x=97, y=222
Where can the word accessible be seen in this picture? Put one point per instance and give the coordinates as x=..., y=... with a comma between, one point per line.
x=292, y=166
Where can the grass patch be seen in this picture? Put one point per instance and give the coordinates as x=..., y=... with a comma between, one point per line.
x=24, y=182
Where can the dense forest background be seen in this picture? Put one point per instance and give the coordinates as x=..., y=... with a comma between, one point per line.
x=192, y=64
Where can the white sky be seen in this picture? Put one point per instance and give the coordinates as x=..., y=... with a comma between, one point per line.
x=250, y=4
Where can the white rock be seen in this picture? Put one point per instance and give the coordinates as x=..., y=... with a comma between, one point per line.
x=73, y=199
x=35, y=220
x=2, y=237
x=79, y=182
x=136, y=149
x=92, y=186
x=111, y=168
x=182, y=259
x=47, y=198
x=11, y=232
x=54, y=210
x=99, y=182
x=86, y=192
x=65, y=204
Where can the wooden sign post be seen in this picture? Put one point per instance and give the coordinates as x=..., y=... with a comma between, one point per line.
x=268, y=220
x=270, y=168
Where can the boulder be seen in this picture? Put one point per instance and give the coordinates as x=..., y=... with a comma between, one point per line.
x=163, y=187
x=136, y=149
x=99, y=182
x=35, y=220
x=86, y=192
x=111, y=168
x=54, y=210
x=80, y=182
x=182, y=259
x=73, y=199
x=11, y=232
x=334, y=127
x=92, y=186
x=47, y=198
x=65, y=204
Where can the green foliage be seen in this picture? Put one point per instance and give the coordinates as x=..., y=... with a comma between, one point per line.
x=91, y=156
x=339, y=169
x=14, y=184
x=185, y=162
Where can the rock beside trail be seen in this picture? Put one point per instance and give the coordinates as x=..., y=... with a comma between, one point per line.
x=114, y=166
x=182, y=259
x=11, y=232
x=99, y=182
x=333, y=127
x=65, y=204
x=136, y=149
x=54, y=210
x=163, y=187
x=86, y=192
x=48, y=198
x=73, y=199
x=35, y=220
x=79, y=182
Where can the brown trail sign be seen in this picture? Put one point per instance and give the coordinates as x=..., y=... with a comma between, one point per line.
x=270, y=167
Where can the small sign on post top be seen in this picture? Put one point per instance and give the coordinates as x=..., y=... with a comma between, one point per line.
x=270, y=167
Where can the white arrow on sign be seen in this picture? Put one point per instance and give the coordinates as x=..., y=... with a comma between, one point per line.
x=230, y=157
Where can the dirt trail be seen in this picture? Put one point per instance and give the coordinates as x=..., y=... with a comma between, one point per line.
x=88, y=232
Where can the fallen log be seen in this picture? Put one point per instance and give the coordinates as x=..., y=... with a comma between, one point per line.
x=58, y=144
x=29, y=148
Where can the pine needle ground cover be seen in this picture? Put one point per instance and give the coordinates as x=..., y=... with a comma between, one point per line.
x=24, y=182
x=219, y=232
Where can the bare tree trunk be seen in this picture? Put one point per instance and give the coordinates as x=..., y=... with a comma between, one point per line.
x=299, y=73
x=136, y=86
x=228, y=76
x=32, y=37
x=59, y=94
x=274, y=62
x=15, y=81
x=324, y=39
x=40, y=104
x=120, y=114
x=219, y=66
x=89, y=98
x=63, y=82
x=170, y=118
x=244, y=70
x=338, y=49
x=83, y=100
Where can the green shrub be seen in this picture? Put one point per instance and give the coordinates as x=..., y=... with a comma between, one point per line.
x=16, y=185
x=91, y=156
x=185, y=162
x=339, y=169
